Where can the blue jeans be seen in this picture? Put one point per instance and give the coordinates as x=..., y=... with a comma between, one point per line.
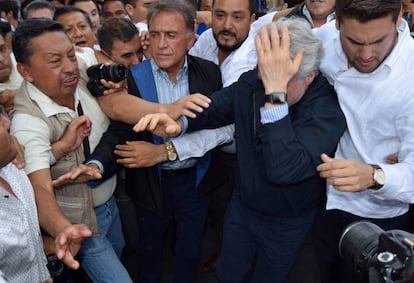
x=275, y=241
x=99, y=255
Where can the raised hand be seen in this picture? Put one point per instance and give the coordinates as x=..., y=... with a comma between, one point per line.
x=160, y=124
x=81, y=174
x=276, y=68
x=75, y=132
x=186, y=105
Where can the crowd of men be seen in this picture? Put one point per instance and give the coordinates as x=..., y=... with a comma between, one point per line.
x=276, y=130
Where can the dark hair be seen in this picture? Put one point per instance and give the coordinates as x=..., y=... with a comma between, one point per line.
x=71, y=9
x=133, y=3
x=183, y=7
x=5, y=28
x=28, y=29
x=37, y=5
x=10, y=5
x=251, y=6
x=114, y=28
x=367, y=10
x=73, y=2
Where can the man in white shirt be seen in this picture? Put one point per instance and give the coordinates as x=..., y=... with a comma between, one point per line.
x=369, y=61
x=22, y=258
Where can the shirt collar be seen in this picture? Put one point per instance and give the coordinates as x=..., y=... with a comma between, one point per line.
x=160, y=72
x=47, y=105
x=308, y=16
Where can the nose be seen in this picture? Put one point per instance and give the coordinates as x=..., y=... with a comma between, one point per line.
x=162, y=41
x=135, y=59
x=228, y=22
x=365, y=52
x=76, y=32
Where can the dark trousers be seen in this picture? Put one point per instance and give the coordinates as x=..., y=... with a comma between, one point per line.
x=179, y=198
x=328, y=228
x=275, y=241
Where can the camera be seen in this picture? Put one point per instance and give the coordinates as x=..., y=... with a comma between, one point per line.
x=378, y=255
x=114, y=73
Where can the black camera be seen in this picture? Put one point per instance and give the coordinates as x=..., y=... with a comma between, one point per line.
x=378, y=255
x=114, y=73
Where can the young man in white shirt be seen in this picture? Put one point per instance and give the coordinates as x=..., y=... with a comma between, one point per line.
x=368, y=58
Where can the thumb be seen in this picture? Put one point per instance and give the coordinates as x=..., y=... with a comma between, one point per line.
x=325, y=158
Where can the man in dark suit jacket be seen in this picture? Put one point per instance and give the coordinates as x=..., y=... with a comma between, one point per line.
x=286, y=115
x=156, y=180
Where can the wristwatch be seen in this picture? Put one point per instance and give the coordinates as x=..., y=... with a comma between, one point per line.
x=171, y=153
x=276, y=97
x=378, y=177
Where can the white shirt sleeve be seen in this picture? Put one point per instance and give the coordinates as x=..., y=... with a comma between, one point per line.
x=34, y=134
x=197, y=144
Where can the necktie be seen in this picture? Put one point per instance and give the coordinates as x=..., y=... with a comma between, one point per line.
x=85, y=142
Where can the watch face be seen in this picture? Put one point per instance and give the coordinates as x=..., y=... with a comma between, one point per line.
x=172, y=156
x=379, y=177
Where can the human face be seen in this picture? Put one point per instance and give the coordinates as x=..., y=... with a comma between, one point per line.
x=112, y=9
x=140, y=11
x=366, y=45
x=231, y=23
x=127, y=53
x=52, y=68
x=40, y=13
x=5, y=61
x=320, y=9
x=8, y=149
x=90, y=8
x=206, y=5
x=169, y=41
x=78, y=29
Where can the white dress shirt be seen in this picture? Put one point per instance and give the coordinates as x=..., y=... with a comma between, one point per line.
x=378, y=107
x=22, y=258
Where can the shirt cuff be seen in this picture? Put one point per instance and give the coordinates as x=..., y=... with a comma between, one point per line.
x=273, y=114
x=185, y=125
x=95, y=183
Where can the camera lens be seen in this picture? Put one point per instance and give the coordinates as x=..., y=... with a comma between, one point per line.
x=114, y=73
x=358, y=244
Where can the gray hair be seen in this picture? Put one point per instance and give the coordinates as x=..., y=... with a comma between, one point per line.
x=301, y=36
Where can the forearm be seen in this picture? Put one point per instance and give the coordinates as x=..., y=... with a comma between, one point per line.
x=51, y=218
x=128, y=108
x=198, y=143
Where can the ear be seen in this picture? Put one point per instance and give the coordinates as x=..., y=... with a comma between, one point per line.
x=399, y=19
x=190, y=41
x=129, y=9
x=310, y=77
x=24, y=71
x=252, y=18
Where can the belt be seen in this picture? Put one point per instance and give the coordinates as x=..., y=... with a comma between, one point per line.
x=178, y=171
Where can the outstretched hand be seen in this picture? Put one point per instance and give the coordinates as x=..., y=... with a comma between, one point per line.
x=81, y=174
x=68, y=241
x=160, y=124
x=187, y=104
x=276, y=68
